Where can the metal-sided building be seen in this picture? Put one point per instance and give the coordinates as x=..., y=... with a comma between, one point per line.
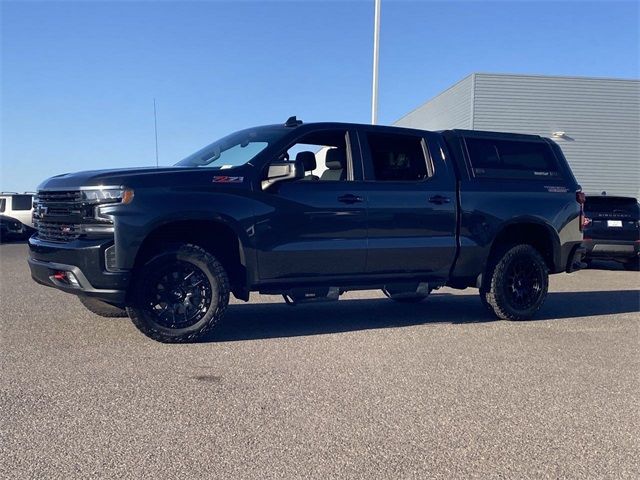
x=596, y=121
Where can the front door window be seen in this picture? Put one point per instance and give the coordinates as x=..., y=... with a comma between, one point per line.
x=324, y=154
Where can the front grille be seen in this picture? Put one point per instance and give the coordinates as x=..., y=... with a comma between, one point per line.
x=65, y=196
x=57, y=231
x=59, y=211
x=59, y=214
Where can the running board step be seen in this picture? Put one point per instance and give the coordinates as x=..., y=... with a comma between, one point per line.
x=315, y=295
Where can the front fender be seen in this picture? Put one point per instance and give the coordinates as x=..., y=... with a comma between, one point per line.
x=155, y=208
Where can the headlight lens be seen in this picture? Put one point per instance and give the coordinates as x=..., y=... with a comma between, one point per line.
x=108, y=195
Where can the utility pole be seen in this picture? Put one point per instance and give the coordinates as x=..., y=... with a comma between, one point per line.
x=155, y=124
x=376, y=52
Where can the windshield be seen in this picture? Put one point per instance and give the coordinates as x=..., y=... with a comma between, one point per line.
x=234, y=150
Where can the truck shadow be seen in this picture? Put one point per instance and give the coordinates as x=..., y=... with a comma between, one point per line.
x=254, y=321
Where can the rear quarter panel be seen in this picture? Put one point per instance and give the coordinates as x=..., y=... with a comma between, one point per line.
x=488, y=207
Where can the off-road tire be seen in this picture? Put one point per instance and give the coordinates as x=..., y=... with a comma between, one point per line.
x=494, y=291
x=145, y=320
x=101, y=308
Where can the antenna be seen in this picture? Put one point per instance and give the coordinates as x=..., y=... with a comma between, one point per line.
x=155, y=124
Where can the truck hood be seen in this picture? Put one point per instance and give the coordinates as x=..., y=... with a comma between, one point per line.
x=142, y=176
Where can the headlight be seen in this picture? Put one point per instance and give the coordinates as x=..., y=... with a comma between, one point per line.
x=107, y=195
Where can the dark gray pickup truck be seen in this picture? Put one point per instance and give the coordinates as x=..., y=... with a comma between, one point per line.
x=310, y=211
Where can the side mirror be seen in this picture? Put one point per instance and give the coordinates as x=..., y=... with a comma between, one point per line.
x=282, y=171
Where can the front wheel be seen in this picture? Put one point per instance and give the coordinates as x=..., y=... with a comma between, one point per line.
x=516, y=283
x=179, y=295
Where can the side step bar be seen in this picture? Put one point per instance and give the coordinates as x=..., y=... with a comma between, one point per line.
x=299, y=295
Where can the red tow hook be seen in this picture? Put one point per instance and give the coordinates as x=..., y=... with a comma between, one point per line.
x=61, y=276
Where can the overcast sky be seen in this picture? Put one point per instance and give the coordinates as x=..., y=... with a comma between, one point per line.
x=79, y=78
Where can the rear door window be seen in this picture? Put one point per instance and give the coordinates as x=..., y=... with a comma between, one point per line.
x=494, y=158
x=398, y=157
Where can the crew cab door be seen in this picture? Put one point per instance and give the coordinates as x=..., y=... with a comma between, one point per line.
x=411, y=192
x=317, y=226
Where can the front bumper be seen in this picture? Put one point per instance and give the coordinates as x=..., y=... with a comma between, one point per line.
x=85, y=259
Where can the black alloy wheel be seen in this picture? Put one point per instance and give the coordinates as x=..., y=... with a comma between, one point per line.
x=524, y=283
x=516, y=282
x=179, y=295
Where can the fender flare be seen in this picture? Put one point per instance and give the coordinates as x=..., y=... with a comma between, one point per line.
x=532, y=220
x=246, y=252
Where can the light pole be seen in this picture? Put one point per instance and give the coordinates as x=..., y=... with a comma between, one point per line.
x=376, y=51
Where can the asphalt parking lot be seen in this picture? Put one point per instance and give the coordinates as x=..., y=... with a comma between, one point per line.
x=362, y=388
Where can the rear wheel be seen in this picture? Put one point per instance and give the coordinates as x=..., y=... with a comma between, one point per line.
x=179, y=295
x=101, y=308
x=516, y=283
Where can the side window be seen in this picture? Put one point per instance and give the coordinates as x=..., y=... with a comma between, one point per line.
x=398, y=157
x=511, y=159
x=22, y=202
x=3, y=204
x=323, y=154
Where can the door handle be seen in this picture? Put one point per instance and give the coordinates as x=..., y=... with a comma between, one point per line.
x=350, y=198
x=439, y=199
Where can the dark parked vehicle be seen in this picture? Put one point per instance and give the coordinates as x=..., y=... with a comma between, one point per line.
x=10, y=228
x=612, y=230
x=310, y=211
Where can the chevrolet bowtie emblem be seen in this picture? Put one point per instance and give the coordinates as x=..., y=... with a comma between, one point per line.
x=40, y=211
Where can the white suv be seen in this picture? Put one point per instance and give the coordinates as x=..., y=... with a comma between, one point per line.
x=18, y=206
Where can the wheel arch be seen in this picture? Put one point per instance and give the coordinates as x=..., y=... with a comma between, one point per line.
x=532, y=231
x=220, y=236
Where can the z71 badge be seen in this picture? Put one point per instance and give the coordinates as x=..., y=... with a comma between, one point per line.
x=226, y=179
